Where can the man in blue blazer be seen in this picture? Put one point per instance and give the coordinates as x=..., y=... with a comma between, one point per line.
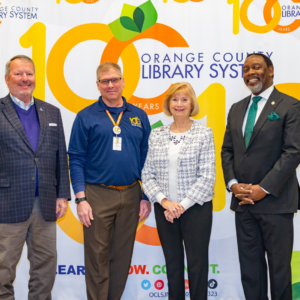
x=260, y=154
x=34, y=181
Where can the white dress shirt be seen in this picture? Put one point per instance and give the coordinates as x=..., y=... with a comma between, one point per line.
x=260, y=105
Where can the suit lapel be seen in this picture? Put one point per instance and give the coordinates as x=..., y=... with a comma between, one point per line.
x=267, y=110
x=42, y=119
x=13, y=118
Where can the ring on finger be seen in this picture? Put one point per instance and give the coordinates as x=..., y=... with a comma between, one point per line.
x=174, y=209
x=169, y=217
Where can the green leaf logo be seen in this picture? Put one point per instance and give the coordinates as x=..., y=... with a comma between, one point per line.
x=133, y=20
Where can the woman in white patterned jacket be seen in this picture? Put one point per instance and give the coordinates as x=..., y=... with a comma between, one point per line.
x=179, y=176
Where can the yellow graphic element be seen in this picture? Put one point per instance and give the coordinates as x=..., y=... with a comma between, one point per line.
x=71, y=226
x=135, y=121
x=279, y=28
x=35, y=37
x=78, y=1
x=131, y=65
x=212, y=104
x=256, y=28
x=235, y=15
x=240, y=13
x=291, y=89
x=60, y=51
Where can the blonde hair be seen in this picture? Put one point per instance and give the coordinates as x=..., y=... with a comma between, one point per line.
x=106, y=66
x=185, y=88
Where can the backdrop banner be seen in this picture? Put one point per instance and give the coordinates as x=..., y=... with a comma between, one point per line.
x=157, y=43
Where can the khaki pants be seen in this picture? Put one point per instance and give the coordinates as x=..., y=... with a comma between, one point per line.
x=108, y=242
x=40, y=237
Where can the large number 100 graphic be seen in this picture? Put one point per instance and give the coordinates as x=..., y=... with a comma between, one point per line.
x=212, y=100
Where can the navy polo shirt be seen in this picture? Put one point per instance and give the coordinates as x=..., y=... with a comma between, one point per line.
x=91, y=155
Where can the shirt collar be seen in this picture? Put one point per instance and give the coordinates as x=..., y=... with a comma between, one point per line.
x=102, y=106
x=20, y=103
x=266, y=93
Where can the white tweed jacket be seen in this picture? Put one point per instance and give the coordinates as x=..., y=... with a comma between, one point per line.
x=196, y=165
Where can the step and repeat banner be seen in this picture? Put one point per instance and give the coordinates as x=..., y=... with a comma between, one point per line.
x=157, y=43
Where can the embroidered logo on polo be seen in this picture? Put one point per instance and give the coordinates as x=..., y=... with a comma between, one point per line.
x=136, y=122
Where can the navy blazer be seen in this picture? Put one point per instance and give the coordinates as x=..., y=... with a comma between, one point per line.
x=18, y=163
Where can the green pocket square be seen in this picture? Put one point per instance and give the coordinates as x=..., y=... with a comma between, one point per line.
x=273, y=116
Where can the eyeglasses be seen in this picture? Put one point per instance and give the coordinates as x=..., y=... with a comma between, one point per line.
x=105, y=82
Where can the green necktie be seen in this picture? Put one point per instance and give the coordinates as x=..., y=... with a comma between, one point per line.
x=251, y=120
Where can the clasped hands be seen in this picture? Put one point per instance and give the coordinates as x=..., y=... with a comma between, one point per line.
x=248, y=193
x=172, y=209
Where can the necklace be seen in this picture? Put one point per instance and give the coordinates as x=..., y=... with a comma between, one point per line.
x=176, y=141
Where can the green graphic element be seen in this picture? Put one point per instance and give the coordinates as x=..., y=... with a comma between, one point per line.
x=296, y=291
x=133, y=20
x=296, y=275
x=157, y=124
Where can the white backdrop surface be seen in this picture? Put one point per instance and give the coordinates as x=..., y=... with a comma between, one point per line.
x=200, y=41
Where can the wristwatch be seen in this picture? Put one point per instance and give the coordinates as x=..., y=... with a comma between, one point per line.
x=78, y=200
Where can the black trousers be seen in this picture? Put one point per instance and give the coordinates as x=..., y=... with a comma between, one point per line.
x=260, y=234
x=193, y=228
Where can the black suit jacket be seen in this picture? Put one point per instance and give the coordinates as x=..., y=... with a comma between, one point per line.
x=272, y=156
x=18, y=163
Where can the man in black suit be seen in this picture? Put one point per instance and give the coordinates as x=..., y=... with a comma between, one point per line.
x=260, y=154
x=34, y=181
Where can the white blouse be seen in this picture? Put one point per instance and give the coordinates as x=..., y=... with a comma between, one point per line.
x=176, y=140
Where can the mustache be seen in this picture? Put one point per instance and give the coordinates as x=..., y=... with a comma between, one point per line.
x=25, y=82
x=252, y=78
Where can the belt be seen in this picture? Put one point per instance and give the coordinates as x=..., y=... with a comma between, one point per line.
x=120, y=187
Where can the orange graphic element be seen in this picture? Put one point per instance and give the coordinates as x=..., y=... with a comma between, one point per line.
x=279, y=28
x=132, y=67
x=71, y=226
x=142, y=102
x=257, y=28
x=147, y=235
x=90, y=1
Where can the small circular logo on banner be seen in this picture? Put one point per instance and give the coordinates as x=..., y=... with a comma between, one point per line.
x=146, y=285
x=212, y=284
x=159, y=284
x=186, y=284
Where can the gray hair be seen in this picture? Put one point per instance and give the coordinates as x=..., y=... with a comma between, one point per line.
x=22, y=57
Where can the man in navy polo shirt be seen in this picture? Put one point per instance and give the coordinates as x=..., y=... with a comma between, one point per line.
x=107, y=151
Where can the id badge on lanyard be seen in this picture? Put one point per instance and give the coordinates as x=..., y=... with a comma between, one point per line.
x=117, y=141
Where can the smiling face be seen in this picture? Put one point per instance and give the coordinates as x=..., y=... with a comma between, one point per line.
x=257, y=75
x=111, y=92
x=21, y=80
x=180, y=105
